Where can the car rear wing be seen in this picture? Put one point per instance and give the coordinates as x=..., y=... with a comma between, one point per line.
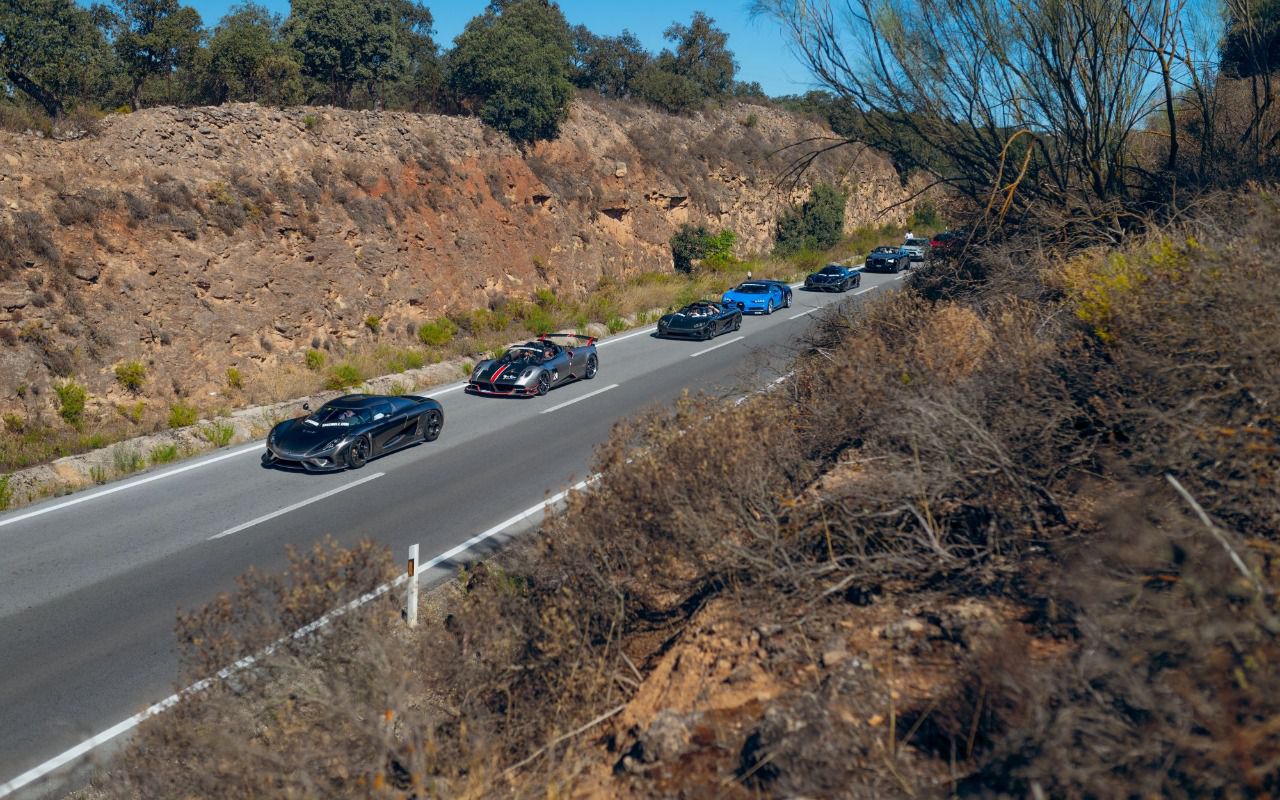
x=588, y=339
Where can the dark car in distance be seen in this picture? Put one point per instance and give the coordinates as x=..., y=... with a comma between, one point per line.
x=833, y=278
x=347, y=431
x=703, y=319
x=888, y=258
x=948, y=243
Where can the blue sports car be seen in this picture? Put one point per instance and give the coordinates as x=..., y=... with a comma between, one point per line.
x=756, y=297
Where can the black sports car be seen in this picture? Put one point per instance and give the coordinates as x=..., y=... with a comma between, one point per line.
x=350, y=430
x=888, y=258
x=536, y=367
x=833, y=278
x=703, y=319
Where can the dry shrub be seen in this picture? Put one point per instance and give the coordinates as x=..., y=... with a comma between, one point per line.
x=1171, y=690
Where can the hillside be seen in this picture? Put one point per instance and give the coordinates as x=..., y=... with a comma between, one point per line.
x=196, y=240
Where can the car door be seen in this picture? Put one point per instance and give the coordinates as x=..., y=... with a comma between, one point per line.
x=387, y=426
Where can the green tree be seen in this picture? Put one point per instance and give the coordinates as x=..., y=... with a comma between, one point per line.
x=816, y=224
x=611, y=65
x=52, y=51
x=153, y=38
x=512, y=65
x=689, y=244
x=347, y=45
x=248, y=60
x=1251, y=44
x=702, y=55
x=658, y=84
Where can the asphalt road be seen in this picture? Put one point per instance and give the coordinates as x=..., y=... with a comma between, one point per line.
x=89, y=583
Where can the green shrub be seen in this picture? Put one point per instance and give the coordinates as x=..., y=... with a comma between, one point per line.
x=925, y=216
x=6, y=493
x=234, y=379
x=344, y=376
x=467, y=369
x=816, y=224
x=14, y=423
x=544, y=298
x=315, y=360
x=182, y=414
x=99, y=474
x=374, y=323
x=164, y=453
x=616, y=324
x=539, y=320
x=218, y=434
x=126, y=459
x=437, y=332
x=131, y=375
x=71, y=400
x=397, y=388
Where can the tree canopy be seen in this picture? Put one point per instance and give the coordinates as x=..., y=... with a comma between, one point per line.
x=53, y=51
x=512, y=66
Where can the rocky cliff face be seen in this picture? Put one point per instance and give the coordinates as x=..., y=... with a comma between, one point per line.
x=194, y=240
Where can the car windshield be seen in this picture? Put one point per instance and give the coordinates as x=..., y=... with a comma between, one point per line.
x=752, y=288
x=885, y=249
x=520, y=353
x=917, y=242
x=330, y=415
x=832, y=271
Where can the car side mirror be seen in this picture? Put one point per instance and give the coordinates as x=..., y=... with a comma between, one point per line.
x=306, y=406
x=379, y=415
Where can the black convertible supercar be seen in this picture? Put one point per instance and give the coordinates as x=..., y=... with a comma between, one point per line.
x=703, y=319
x=350, y=430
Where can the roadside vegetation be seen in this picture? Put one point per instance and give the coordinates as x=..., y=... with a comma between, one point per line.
x=886, y=580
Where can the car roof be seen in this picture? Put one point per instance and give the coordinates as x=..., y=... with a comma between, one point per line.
x=753, y=283
x=355, y=401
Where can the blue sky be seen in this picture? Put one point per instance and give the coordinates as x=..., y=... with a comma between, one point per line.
x=757, y=44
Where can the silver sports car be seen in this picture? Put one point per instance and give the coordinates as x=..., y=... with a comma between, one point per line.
x=534, y=368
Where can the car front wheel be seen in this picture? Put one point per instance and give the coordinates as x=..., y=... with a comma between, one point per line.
x=429, y=426
x=358, y=453
x=593, y=366
x=737, y=322
x=786, y=301
x=544, y=383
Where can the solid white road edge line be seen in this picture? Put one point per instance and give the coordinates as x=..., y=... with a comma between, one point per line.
x=868, y=289
x=66, y=757
x=803, y=313
x=612, y=339
x=120, y=488
x=579, y=399
x=717, y=346
x=296, y=506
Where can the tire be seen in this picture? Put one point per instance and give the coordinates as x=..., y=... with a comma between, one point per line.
x=430, y=424
x=544, y=384
x=268, y=460
x=786, y=301
x=858, y=280
x=593, y=366
x=358, y=453
x=737, y=323
x=769, y=309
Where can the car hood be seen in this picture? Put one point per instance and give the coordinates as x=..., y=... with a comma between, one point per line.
x=735, y=297
x=296, y=436
x=495, y=370
x=682, y=321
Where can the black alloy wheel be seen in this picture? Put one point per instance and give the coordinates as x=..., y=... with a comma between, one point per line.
x=737, y=322
x=429, y=425
x=358, y=453
x=786, y=300
x=544, y=383
x=593, y=366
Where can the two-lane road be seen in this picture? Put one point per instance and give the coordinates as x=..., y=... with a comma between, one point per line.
x=89, y=584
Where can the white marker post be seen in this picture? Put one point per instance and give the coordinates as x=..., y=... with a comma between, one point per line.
x=411, y=599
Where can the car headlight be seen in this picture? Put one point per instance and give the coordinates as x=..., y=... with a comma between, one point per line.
x=528, y=373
